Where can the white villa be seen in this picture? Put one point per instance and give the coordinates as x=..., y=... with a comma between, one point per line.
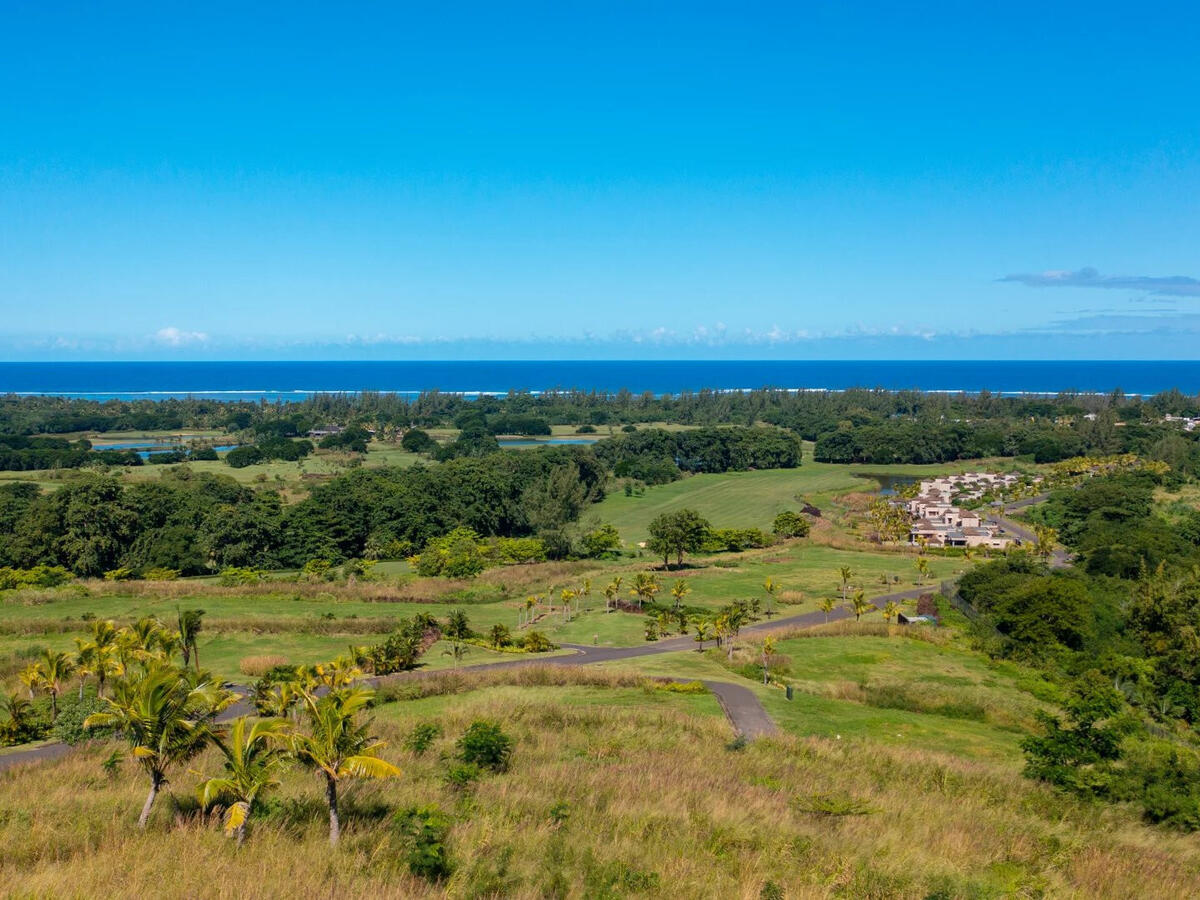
x=941, y=523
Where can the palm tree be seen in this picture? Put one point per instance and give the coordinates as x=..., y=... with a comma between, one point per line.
x=860, y=604
x=167, y=715
x=827, y=605
x=846, y=574
x=610, y=594
x=771, y=586
x=703, y=632
x=679, y=590
x=252, y=754
x=458, y=626
x=458, y=650
x=20, y=717
x=1044, y=540
x=645, y=587
x=189, y=632
x=31, y=677
x=768, y=650
x=922, y=568
x=54, y=668
x=338, y=748
x=84, y=665
x=567, y=595
x=891, y=609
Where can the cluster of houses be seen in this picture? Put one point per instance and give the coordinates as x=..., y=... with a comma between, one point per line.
x=939, y=521
x=1189, y=423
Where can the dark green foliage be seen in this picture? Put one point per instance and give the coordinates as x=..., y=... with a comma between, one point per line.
x=417, y=441
x=422, y=737
x=602, y=542
x=72, y=711
x=485, y=744
x=402, y=648
x=677, y=533
x=423, y=831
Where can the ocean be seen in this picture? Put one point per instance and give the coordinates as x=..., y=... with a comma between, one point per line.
x=293, y=380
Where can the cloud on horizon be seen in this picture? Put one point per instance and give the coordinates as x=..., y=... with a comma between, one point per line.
x=176, y=337
x=1169, y=285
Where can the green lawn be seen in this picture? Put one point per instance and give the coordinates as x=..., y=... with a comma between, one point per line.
x=753, y=499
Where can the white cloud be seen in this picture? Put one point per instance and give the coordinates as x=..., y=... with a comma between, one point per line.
x=176, y=337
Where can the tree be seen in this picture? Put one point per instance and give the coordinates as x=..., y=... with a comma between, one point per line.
x=1045, y=538
x=847, y=574
x=54, y=668
x=611, y=592
x=167, y=716
x=771, y=586
x=827, y=605
x=768, y=650
x=922, y=566
x=457, y=650
x=336, y=747
x=679, y=590
x=458, y=626
x=677, y=533
x=860, y=604
x=891, y=609
x=30, y=676
x=790, y=524
x=189, y=632
x=500, y=636
x=645, y=587
x=703, y=632
x=253, y=753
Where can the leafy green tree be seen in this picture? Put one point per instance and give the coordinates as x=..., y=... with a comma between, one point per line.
x=167, y=715
x=337, y=747
x=677, y=533
x=458, y=626
x=602, y=542
x=253, y=754
x=790, y=524
x=485, y=744
x=827, y=605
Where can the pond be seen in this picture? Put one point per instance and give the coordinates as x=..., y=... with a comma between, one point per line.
x=889, y=485
x=538, y=442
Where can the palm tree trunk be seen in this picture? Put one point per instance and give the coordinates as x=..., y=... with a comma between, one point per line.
x=196, y=655
x=155, y=783
x=53, y=707
x=81, y=689
x=241, y=834
x=335, y=825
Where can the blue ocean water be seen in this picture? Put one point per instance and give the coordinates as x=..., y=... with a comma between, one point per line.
x=290, y=380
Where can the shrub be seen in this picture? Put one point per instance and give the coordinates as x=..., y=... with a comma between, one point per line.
x=790, y=524
x=462, y=776
x=536, y=642
x=258, y=666
x=233, y=576
x=38, y=576
x=423, y=831
x=422, y=737
x=486, y=745
x=680, y=687
x=72, y=711
x=121, y=574
x=586, y=429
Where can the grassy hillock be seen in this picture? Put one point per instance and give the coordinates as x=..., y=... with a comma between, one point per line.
x=613, y=790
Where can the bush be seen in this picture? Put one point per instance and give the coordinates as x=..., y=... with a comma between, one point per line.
x=680, y=687
x=233, y=576
x=485, y=744
x=422, y=737
x=203, y=454
x=72, y=711
x=536, y=642
x=417, y=441
x=586, y=429
x=791, y=524
x=160, y=573
x=423, y=831
x=240, y=457
x=39, y=576
x=258, y=666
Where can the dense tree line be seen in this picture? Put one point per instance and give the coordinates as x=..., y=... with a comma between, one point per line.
x=655, y=455
x=1117, y=633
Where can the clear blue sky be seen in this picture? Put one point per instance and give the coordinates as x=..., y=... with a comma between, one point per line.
x=797, y=180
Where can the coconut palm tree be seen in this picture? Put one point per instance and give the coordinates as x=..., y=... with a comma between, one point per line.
x=847, y=573
x=54, y=669
x=189, y=633
x=771, y=586
x=679, y=590
x=645, y=587
x=1044, y=540
x=860, y=604
x=167, y=715
x=458, y=650
x=253, y=753
x=30, y=676
x=567, y=595
x=768, y=650
x=827, y=605
x=922, y=568
x=891, y=609
x=611, y=591
x=703, y=632
x=337, y=748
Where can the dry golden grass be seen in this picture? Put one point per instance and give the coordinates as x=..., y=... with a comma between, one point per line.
x=258, y=666
x=657, y=807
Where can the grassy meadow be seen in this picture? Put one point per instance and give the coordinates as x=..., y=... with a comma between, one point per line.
x=614, y=790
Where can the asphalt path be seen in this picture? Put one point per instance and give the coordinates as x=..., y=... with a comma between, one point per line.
x=741, y=705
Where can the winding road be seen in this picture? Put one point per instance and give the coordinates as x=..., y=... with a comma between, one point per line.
x=741, y=705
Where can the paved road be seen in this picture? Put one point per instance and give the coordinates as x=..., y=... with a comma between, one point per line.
x=741, y=705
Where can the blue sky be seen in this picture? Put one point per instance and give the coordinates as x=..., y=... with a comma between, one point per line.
x=692, y=180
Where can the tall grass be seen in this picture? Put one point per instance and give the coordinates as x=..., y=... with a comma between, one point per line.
x=602, y=802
